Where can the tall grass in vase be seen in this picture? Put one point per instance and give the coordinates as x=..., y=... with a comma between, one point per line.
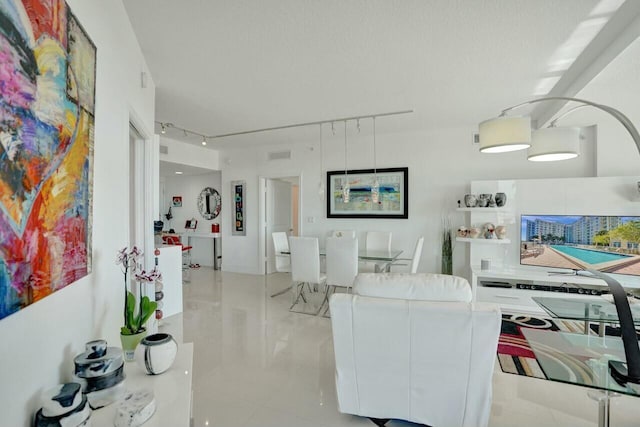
x=447, y=247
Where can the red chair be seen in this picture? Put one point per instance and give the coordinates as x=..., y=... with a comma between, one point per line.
x=169, y=239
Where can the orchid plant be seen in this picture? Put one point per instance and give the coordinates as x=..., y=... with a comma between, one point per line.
x=134, y=320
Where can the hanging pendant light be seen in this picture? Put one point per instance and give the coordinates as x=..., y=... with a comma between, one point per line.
x=375, y=188
x=345, y=187
x=321, y=192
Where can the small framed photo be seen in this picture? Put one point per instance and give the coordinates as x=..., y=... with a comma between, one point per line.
x=176, y=202
x=191, y=224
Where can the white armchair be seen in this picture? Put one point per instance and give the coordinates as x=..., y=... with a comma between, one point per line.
x=414, y=347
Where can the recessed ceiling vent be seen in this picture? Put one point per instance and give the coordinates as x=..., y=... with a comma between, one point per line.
x=164, y=149
x=279, y=155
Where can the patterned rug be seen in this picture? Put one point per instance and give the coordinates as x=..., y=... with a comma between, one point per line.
x=515, y=354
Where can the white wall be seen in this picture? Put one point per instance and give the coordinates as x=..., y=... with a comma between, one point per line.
x=616, y=87
x=189, y=187
x=189, y=154
x=441, y=166
x=39, y=342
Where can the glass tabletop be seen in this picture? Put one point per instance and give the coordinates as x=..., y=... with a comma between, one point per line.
x=578, y=359
x=377, y=255
x=369, y=255
x=587, y=309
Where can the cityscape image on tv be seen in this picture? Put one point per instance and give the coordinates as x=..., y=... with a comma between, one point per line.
x=604, y=243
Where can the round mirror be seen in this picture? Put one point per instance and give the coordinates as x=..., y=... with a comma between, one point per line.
x=209, y=203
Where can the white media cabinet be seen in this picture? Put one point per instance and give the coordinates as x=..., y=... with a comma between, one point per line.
x=513, y=287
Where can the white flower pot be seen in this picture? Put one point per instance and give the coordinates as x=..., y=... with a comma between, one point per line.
x=156, y=353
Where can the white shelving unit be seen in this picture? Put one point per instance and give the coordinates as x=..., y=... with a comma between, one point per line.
x=482, y=240
x=500, y=209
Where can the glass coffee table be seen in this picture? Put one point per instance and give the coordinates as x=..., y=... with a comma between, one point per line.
x=582, y=359
x=587, y=310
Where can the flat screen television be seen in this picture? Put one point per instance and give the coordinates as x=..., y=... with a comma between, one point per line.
x=579, y=242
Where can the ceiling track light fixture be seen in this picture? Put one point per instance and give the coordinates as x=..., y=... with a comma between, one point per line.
x=165, y=125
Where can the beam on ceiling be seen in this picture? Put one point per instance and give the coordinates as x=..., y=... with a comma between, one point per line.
x=622, y=29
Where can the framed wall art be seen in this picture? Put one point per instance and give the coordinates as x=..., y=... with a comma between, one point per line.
x=209, y=203
x=176, y=201
x=393, y=199
x=47, y=99
x=238, y=221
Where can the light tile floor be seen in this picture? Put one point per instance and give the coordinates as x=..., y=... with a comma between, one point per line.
x=258, y=365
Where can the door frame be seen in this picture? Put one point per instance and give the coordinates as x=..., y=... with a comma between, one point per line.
x=263, y=240
x=149, y=162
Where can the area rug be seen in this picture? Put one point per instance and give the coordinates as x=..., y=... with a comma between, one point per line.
x=514, y=353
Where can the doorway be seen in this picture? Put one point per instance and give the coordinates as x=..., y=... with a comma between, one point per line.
x=142, y=171
x=281, y=208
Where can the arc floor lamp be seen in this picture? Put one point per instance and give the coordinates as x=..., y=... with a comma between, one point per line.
x=503, y=134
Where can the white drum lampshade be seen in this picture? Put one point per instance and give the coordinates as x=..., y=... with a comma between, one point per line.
x=504, y=134
x=554, y=143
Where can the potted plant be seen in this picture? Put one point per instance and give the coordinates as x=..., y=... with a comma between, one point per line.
x=136, y=311
x=447, y=248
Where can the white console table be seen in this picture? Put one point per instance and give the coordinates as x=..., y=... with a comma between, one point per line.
x=519, y=300
x=172, y=390
x=200, y=235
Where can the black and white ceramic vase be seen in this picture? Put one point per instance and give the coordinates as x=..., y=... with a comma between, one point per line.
x=501, y=199
x=156, y=353
x=100, y=371
x=470, y=200
x=483, y=200
x=63, y=406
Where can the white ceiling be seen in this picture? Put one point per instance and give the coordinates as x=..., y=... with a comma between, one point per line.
x=235, y=65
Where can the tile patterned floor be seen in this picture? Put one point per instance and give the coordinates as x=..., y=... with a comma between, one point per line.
x=258, y=365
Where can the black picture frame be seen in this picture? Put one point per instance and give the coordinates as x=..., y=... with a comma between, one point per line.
x=394, y=193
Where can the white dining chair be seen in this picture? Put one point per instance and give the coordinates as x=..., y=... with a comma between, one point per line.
x=376, y=241
x=414, y=260
x=280, y=246
x=342, y=265
x=343, y=233
x=305, y=267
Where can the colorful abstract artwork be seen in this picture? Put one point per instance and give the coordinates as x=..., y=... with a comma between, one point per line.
x=237, y=191
x=393, y=191
x=47, y=99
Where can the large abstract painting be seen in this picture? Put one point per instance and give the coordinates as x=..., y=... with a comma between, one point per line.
x=393, y=201
x=47, y=99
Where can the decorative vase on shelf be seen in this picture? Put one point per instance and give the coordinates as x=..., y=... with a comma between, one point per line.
x=501, y=199
x=156, y=353
x=129, y=344
x=100, y=372
x=489, y=230
x=483, y=200
x=501, y=232
x=470, y=200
